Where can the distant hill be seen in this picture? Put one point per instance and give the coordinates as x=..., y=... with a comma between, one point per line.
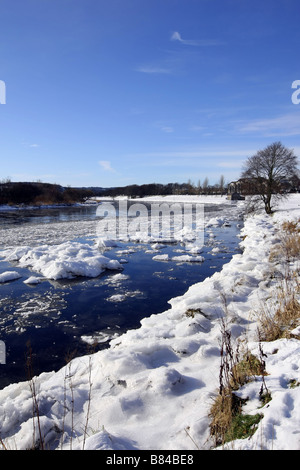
x=41, y=193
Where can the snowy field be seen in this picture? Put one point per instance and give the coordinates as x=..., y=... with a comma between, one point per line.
x=154, y=386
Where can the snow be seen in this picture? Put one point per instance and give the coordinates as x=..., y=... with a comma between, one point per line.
x=201, y=199
x=33, y=280
x=124, y=296
x=153, y=387
x=117, y=298
x=188, y=259
x=66, y=260
x=98, y=338
x=161, y=258
x=9, y=276
x=179, y=259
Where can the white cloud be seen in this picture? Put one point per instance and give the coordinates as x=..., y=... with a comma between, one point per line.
x=176, y=36
x=28, y=144
x=152, y=69
x=170, y=65
x=180, y=156
x=106, y=165
x=167, y=129
x=286, y=125
x=231, y=164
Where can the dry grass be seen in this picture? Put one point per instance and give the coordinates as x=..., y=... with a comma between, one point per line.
x=221, y=414
x=281, y=314
x=227, y=419
x=273, y=326
x=288, y=248
x=290, y=243
x=247, y=368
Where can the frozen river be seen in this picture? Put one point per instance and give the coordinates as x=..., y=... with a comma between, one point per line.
x=61, y=316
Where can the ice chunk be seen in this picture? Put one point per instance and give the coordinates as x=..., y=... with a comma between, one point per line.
x=188, y=259
x=66, y=260
x=161, y=258
x=33, y=280
x=9, y=276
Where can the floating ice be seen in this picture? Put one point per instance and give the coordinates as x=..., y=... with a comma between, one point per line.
x=33, y=280
x=180, y=259
x=161, y=258
x=117, y=298
x=121, y=297
x=9, y=276
x=188, y=259
x=98, y=338
x=66, y=260
x=214, y=222
x=117, y=278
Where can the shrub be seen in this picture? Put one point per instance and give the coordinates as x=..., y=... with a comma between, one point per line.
x=227, y=420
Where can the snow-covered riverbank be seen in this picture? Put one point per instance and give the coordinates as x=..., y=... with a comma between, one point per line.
x=153, y=388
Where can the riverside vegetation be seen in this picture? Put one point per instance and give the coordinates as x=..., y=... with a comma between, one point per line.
x=274, y=321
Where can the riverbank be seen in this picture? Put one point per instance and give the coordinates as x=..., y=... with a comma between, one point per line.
x=153, y=388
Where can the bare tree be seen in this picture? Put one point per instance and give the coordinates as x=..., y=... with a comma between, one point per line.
x=199, y=187
x=222, y=184
x=267, y=170
x=205, y=185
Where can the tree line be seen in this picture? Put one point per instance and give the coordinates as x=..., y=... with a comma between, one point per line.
x=40, y=193
x=156, y=189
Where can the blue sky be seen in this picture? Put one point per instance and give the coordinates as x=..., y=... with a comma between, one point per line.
x=116, y=92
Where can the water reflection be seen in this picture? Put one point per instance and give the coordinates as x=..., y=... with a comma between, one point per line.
x=40, y=215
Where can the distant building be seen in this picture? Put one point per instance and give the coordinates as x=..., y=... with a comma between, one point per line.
x=291, y=185
x=235, y=197
x=237, y=190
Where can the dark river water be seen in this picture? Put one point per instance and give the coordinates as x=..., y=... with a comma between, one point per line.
x=60, y=319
